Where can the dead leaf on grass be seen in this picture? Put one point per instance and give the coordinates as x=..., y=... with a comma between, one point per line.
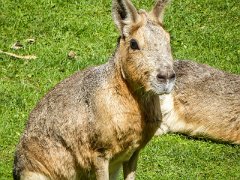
x=30, y=41
x=72, y=55
x=17, y=45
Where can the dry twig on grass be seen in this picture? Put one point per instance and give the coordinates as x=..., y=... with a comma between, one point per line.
x=27, y=57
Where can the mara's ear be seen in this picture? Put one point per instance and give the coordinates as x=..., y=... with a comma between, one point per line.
x=158, y=10
x=124, y=15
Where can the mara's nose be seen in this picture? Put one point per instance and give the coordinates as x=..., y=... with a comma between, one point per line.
x=164, y=76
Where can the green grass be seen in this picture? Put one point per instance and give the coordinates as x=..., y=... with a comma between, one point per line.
x=205, y=31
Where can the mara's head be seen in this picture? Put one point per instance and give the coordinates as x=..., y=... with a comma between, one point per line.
x=145, y=53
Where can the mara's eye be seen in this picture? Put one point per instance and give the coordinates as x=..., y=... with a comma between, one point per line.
x=134, y=44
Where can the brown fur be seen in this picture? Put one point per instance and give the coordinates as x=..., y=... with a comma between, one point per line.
x=206, y=102
x=98, y=119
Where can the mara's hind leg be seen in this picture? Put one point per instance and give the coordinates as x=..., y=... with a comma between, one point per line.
x=33, y=176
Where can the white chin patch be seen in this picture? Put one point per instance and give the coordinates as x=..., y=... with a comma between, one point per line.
x=162, y=88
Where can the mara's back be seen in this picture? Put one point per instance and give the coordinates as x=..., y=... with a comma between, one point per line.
x=206, y=102
x=201, y=88
x=61, y=128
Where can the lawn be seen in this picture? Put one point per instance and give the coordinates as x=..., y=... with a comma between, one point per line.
x=204, y=31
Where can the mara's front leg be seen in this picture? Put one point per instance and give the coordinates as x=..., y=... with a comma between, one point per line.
x=129, y=167
x=101, y=166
